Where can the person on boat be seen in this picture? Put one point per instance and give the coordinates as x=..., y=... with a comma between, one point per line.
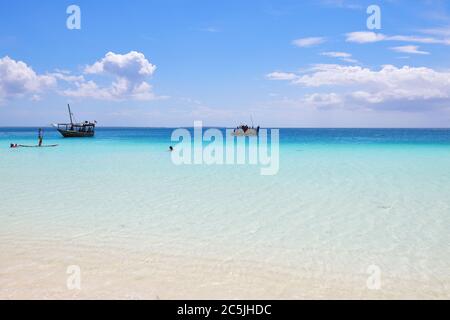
x=40, y=138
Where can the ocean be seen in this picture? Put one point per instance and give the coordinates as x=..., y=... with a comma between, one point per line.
x=351, y=213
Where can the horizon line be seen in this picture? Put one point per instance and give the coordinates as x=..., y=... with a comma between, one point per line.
x=222, y=127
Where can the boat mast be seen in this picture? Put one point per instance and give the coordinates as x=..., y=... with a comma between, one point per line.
x=70, y=114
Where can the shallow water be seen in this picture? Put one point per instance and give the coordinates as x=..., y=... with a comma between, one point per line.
x=343, y=200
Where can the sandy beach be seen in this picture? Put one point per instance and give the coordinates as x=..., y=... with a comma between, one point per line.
x=41, y=273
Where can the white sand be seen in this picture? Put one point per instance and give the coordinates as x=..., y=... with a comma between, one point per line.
x=39, y=272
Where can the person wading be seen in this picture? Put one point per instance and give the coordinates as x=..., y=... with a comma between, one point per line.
x=40, y=137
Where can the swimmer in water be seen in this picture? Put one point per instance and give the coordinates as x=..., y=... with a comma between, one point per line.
x=170, y=148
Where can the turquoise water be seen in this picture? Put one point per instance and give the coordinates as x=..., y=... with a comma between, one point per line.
x=343, y=199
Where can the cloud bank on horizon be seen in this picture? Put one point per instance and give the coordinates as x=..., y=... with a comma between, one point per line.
x=358, y=87
x=399, y=69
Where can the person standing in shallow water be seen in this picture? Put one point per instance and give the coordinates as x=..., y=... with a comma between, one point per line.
x=40, y=137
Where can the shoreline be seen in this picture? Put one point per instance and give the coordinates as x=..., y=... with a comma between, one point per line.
x=40, y=272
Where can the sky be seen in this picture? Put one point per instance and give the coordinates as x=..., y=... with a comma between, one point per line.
x=284, y=63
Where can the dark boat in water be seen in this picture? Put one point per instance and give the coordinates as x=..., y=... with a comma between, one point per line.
x=76, y=130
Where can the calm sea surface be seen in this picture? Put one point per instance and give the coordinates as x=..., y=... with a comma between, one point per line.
x=343, y=200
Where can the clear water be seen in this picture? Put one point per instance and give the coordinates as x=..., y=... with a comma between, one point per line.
x=344, y=199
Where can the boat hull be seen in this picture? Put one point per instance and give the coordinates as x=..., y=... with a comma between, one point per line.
x=75, y=134
x=241, y=133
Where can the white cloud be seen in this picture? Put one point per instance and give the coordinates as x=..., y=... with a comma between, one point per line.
x=130, y=72
x=308, y=42
x=358, y=86
x=335, y=54
x=364, y=37
x=281, y=76
x=322, y=99
x=370, y=37
x=17, y=79
x=66, y=76
x=409, y=49
x=130, y=65
x=89, y=89
x=344, y=56
x=438, y=31
x=426, y=40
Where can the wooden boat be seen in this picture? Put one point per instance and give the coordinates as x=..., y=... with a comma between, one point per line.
x=245, y=131
x=76, y=130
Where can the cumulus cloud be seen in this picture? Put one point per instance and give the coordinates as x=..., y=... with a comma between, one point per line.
x=17, y=79
x=67, y=76
x=409, y=49
x=130, y=65
x=355, y=85
x=130, y=72
x=308, y=42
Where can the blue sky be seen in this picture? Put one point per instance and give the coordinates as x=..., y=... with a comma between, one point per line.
x=287, y=63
